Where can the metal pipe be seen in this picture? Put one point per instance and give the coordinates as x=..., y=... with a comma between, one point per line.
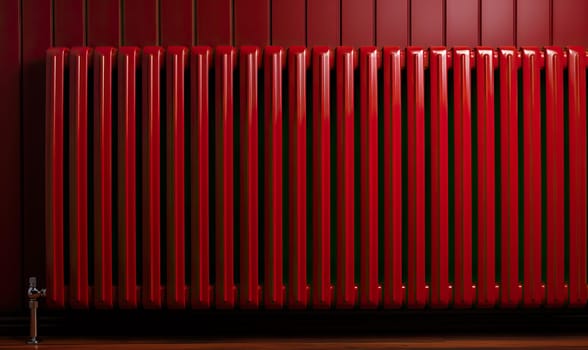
x=33, y=295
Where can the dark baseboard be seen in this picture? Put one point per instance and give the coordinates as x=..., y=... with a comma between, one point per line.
x=240, y=323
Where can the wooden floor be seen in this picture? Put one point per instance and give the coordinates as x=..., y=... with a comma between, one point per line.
x=454, y=342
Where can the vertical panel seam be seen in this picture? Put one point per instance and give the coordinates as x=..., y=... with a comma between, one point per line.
x=444, y=22
x=480, y=22
x=269, y=23
x=305, y=23
x=158, y=22
x=375, y=23
x=340, y=22
x=52, y=22
x=121, y=27
x=232, y=22
x=194, y=19
x=514, y=22
x=409, y=17
x=85, y=24
x=550, y=22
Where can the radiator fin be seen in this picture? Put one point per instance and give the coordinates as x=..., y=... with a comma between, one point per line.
x=320, y=177
x=463, y=288
x=151, y=177
x=271, y=178
x=533, y=292
x=128, y=58
x=439, y=201
x=54, y=173
x=344, y=196
x=104, y=59
x=577, y=176
x=80, y=59
x=415, y=120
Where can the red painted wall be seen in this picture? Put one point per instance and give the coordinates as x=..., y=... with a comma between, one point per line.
x=29, y=27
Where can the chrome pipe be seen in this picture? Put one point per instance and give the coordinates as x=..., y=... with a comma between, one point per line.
x=33, y=295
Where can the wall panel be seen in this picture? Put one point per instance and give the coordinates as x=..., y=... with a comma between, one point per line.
x=498, y=26
x=462, y=23
x=570, y=24
x=10, y=179
x=69, y=22
x=103, y=22
x=288, y=22
x=322, y=23
x=140, y=22
x=392, y=22
x=427, y=27
x=357, y=23
x=177, y=22
x=214, y=24
x=252, y=25
x=533, y=22
x=36, y=38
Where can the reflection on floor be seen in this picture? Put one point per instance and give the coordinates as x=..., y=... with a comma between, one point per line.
x=453, y=342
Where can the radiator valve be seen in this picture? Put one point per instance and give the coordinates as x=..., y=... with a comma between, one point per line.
x=33, y=296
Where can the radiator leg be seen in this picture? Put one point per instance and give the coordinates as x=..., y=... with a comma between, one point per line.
x=33, y=295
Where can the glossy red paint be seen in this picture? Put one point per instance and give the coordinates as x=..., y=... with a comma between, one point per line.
x=152, y=62
x=486, y=286
x=577, y=175
x=394, y=292
x=248, y=177
x=176, y=65
x=369, y=292
x=79, y=62
x=533, y=293
x=344, y=225
x=225, y=290
x=509, y=63
x=438, y=62
x=200, y=65
x=438, y=294
x=416, y=292
x=554, y=131
x=462, y=286
x=128, y=62
x=296, y=186
x=54, y=168
x=274, y=60
x=104, y=62
x=320, y=177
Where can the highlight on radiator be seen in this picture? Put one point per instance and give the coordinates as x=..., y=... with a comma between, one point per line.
x=316, y=178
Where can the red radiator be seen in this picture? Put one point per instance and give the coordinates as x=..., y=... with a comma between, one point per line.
x=316, y=178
